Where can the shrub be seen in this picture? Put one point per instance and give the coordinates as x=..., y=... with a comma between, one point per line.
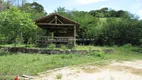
x=127, y=45
x=51, y=46
x=97, y=54
x=63, y=47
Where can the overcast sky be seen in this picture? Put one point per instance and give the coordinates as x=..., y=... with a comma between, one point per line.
x=133, y=6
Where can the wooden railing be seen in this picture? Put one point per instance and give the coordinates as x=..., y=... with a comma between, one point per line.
x=47, y=39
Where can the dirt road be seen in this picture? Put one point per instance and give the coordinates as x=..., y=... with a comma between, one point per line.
x=128, y=70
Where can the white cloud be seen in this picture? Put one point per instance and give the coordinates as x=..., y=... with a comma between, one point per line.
x=88, y=1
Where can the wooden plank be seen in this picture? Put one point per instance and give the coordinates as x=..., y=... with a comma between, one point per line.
x=58, y=27
x=55, y=24
x=55, y=39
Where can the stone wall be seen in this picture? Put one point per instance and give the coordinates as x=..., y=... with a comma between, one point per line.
x=46, y=51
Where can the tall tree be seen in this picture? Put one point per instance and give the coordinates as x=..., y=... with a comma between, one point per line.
x=15, y=23
x=34, y=8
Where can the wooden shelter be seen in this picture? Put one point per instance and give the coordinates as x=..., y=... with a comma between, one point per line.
x=63, y=29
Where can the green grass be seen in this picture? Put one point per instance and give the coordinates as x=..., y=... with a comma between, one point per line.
x=31, y=64
x=17, y=45
x=92, y=47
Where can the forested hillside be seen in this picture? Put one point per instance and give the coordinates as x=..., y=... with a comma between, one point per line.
x=105, y=26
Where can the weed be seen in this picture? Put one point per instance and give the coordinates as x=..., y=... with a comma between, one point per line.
x=59, y=76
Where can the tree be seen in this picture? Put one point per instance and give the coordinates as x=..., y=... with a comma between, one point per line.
x=122, y=31
x=93, y=12
x=4, y=5
x=1, y=5
x=15, y=23
x=103, y=10
x=34, y=8
x=60, y=9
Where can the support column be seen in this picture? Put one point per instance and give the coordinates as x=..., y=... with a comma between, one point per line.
x=56, y=19
x=74, y=36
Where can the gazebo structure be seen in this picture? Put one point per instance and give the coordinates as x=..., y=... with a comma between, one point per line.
x=60, y=30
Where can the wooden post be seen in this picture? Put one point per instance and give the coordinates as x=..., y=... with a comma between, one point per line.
x=56, y=19
x=52, y=36
x=74, y=35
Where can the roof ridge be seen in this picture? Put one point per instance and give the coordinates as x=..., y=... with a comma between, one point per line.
x=55, y=14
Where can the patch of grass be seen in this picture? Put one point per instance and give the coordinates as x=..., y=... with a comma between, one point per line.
x=30, y=64
x=59, y=76
x=98, y=54
x=12, y=45
x=92, y=47
x=18, y=45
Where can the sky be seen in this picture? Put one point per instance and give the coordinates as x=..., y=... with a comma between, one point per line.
x=132, y=6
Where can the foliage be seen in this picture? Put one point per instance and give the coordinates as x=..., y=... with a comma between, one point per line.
x=64, y=47
x=102, y=27
x=122, y=31
x=60, y=10
x=34, y=8
x=106, y=12
x=15, y=23
x=51, y=46
x=98, y=54
x=106, y=26
x=127, y=45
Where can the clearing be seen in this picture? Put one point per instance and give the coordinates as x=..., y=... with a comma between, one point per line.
x=127, y=70
x=89, y=64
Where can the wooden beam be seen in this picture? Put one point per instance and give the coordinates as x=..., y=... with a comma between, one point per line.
x=56, y=20
x=60, y=21
x=58, y=27
x=52, y=21
x=55, y=24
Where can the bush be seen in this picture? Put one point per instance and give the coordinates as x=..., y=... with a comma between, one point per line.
x=97, y=54
x=127, y=45
x=63, y=47
x=51, y=46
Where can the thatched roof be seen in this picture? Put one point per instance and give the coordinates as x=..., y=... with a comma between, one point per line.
x=50, y=17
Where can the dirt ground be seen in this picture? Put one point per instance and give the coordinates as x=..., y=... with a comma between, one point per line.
x=128, y=70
